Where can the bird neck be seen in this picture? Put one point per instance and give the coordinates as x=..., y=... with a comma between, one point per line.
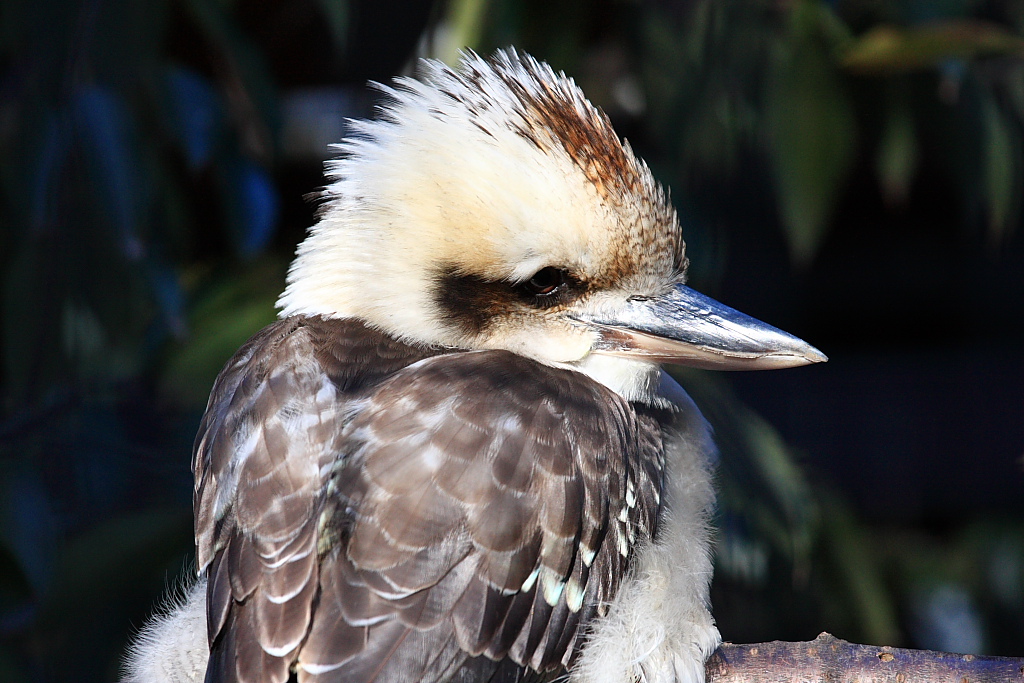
x=634, y=380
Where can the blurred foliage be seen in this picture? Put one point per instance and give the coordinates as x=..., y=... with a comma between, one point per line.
x=148, y=212
x=138, y=205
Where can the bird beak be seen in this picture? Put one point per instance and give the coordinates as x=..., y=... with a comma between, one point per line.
x=687, y=328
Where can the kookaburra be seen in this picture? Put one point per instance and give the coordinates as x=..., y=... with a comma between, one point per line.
x=456, y=457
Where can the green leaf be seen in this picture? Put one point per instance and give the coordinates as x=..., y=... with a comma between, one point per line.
x=104, y=125
x=463, y=28
x=897, y=155
x=253, y=101
x=227, y=312
x=760, y=478
x=777, y=466
x=194, y=114
x=888, y=50
x=1002, y=154
x=1014, y=84
x=813, y=133
x=103, y=581
x=15, y=587
x=147, y=542
x=855, y=560
x=337, y=14
x=250, y=205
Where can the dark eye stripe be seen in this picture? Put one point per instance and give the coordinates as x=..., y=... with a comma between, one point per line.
x=473, y=303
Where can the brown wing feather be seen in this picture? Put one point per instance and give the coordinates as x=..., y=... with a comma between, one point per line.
x=472, y=515
x=272, y=424
x=369, y=514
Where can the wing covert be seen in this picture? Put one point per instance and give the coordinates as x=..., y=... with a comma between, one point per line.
x=473, y=518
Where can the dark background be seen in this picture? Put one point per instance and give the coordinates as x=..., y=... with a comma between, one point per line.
x=848, y=171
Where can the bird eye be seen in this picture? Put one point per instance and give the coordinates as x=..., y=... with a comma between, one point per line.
x=545, y=281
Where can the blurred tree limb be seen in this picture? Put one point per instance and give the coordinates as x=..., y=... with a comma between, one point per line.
x=828, y=659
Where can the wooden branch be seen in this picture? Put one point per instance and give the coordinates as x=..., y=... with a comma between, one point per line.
x=830, y=660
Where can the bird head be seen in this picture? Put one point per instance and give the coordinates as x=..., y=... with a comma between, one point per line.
x=493, y=207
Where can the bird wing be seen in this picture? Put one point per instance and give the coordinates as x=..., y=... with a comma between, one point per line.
x=464, y=509
x=272, y=425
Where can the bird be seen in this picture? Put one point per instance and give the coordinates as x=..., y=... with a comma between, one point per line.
x=456, y=456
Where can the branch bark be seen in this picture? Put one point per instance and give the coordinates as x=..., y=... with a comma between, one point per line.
x=827, y=659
